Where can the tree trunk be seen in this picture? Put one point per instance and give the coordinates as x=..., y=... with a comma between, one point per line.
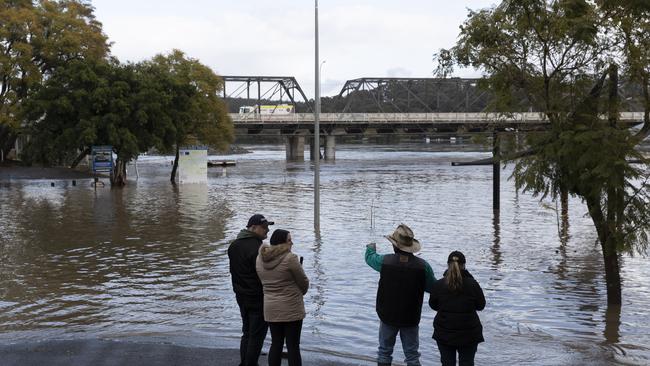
x=613, y=323
x=175, y=167
x=613, y=96
x=611, y=221
x=645, y=130
x=79, y=158
x=7, y=140
x=610, y=255
x=118, y=175
x=612, y=276
x=611, y=261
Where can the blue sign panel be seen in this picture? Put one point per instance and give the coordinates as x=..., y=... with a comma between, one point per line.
x=102, y=158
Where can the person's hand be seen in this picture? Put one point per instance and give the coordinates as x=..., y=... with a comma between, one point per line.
x=372, y=245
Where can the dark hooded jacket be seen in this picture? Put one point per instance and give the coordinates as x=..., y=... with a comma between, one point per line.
x=242, y=253
x=457, y=322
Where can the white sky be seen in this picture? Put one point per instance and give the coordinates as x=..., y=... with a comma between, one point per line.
x=358, y=38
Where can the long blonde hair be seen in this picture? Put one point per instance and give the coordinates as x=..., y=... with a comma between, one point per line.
x=454, y=277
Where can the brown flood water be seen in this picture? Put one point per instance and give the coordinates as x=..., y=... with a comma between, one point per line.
x=150, y=260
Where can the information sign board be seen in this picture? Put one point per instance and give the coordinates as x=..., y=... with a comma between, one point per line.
x=102, y=158
x=193, y=165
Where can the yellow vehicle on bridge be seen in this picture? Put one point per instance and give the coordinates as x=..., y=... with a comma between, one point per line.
x=274, y=109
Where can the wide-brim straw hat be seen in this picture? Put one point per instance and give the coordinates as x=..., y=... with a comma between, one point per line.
x=402, y=238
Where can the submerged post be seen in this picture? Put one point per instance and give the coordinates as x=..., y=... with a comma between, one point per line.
x=496, y=173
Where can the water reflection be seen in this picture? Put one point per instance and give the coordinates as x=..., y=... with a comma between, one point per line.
x=320, y=280
x=578, y=276
x=562, y=248
x=564, y=219
x=118, y=259
x=496, y=242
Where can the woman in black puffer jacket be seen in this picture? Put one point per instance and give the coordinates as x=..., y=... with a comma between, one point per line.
x=457, y=328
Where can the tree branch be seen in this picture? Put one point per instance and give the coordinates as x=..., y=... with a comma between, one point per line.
x=636, y=192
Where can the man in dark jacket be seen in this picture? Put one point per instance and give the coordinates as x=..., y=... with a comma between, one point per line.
x=242, y=254
x=403, y=280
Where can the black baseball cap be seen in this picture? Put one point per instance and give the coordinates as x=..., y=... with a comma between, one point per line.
x=258, y=219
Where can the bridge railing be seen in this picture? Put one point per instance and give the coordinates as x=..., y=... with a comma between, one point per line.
x=525, y=117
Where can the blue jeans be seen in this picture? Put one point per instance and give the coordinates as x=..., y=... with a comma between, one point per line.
x=410, y=343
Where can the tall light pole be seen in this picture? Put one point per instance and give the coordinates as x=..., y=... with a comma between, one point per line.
x=320, y=73
x=316, y=128
x=320, y=82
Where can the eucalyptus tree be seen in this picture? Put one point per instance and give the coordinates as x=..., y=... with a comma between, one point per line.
x=565, y=57
x=197, y=113
x=36, y=38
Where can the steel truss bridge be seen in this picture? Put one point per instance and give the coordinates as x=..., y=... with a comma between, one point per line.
x=381, y=105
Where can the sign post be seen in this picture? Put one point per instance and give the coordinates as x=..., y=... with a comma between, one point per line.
x=102, y=161
x=102, y=158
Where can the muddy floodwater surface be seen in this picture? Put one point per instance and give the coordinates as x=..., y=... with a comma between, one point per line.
x=149, y=261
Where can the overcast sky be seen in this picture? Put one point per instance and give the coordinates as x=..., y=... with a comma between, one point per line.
x=358, y=38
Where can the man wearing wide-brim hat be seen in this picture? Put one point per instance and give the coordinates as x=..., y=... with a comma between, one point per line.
x=402, y=282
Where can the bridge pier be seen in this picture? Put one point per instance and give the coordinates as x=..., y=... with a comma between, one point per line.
x=312, y=149
x=295, y=147
x=330, y=147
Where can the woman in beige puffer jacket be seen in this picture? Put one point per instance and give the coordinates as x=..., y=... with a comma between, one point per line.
x=285, y=284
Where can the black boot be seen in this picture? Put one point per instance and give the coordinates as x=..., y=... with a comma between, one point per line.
x=382, y=364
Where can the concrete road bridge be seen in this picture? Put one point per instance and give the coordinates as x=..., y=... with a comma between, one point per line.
x=398, y=106
x=299, y=126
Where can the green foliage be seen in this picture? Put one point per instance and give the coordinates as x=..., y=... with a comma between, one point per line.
x=630, y=23
x=161, y=103
x=36, y=38
x=563, y=55
x=195, y=109
x=83, y=104
x=545, y=50
x=552, y=52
